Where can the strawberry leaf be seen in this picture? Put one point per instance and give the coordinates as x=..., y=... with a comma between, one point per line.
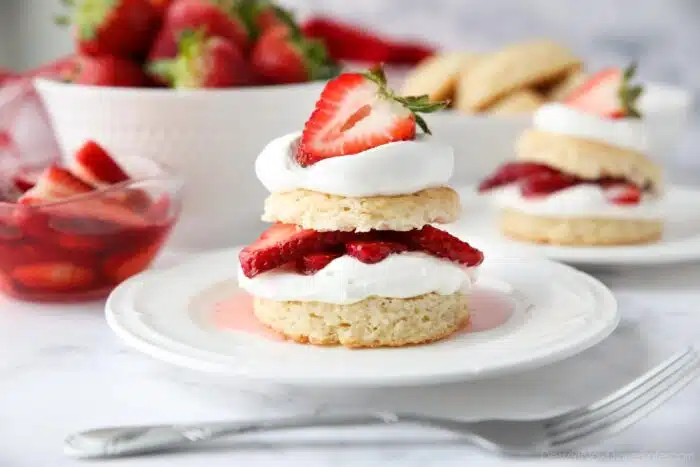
x=421, y=124
x=629, y=94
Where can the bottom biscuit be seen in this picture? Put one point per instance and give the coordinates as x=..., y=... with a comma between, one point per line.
x=373, y=322
x=579, y=231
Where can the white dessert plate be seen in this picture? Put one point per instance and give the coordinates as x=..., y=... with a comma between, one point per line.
x=554, y=312
x=680, y=243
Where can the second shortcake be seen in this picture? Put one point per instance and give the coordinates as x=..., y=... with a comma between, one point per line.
x=352, y=258
x=582, y=176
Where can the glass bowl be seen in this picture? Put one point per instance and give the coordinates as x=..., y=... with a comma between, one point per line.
x=81, y=247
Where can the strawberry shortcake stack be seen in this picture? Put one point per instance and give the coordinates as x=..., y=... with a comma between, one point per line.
x=582, y=176
x=352, y=257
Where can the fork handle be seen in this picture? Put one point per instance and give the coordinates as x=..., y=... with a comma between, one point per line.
x=133, y=440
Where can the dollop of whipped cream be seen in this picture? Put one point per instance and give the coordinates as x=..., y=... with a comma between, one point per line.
x=561, y=119
x=586, y=200
x=399, y=168
x=347, y=280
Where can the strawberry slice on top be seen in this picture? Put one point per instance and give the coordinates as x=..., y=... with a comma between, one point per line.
x=608, y=94
x=356, y=112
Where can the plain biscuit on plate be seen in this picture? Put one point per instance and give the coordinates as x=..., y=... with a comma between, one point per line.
x=436, y=76
x=323, y=212
x=523, y=65
x=517, y=102
x=578, y=231
x=561, y=89
x=587, y=159
x=373, y=322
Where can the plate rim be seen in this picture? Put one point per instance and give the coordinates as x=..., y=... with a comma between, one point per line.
x=161, y=352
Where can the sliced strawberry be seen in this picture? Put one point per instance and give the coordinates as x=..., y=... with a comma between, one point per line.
x=97, y=209
x=512, y=172
x=314, y=262
x=54, y=184
x=281, y=244
x=439, y=243
x=95, y=166
x=608, y=94
x=546, y=183
x=53, y=276
x=371, y=252
x=624, y=194
x=203, y=62
x=123, y=265
x=119, y=28
x=25, y=181
x=357, y=112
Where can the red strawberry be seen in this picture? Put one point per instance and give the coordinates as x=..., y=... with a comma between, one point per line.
x=213, y=18
x=25, y=181
x=347, y=42
x=512, y=172
x=608, y=94
x=371, y=252
x=94, y=165
x=439, y=243
x=54, y=276
x=98, y=209
x=624, y=193
x=121, y=266
x=55, y=183
x=203, y=62
x=546, y=183
x=269, y=16
x=108, y=71
x=161, y=6
x=357, y=112
x=119, y=28
x=282, y=55
x=314, y=262
x=281, y=244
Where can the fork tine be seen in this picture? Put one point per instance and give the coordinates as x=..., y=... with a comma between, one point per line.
x=629, y=392
x=630, y=413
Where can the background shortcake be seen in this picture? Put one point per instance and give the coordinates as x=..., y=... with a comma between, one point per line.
x=351, y=258
x=582, y=176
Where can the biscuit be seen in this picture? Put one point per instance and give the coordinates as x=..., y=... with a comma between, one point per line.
x=578, y=231
x=518, y=102
x=562, y=88
x=373, y=322
x=323, y=212
x=587, y=159
x=523, y=65
x=436, y=76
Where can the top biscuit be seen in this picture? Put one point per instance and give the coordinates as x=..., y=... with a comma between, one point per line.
x=523, y=65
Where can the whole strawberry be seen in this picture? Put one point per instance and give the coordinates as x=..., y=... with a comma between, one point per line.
x=123, y=28
x=203, y=62
x=107, y=71
x=282, y=55
x=213, y=17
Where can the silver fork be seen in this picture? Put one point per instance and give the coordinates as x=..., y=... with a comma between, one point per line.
x=565, y=432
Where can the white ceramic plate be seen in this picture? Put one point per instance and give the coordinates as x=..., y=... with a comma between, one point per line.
x=680, y=242
x=167, y=314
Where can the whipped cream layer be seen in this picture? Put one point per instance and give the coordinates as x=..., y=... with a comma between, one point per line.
x=624, y=133
x=347, y=280
x=399, y=168
x=587, y=200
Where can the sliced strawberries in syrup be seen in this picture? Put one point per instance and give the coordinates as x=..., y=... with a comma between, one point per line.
x=373, y=251
x=543, y=184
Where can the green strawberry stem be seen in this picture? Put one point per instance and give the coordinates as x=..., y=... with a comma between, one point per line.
x=416, y=104
x=629, y=94
x=182, y=71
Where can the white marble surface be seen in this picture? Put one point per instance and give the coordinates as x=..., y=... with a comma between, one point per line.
x=62, y=370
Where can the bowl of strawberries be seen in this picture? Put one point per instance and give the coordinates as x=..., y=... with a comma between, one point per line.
x=198, y=85
x=74, y=232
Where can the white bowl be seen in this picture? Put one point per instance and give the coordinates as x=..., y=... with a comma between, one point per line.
x=482, y=142
x=211, y=137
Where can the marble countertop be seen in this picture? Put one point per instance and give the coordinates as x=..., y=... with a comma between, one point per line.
x=62, y=370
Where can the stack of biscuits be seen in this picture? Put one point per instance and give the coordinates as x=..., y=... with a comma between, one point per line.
x=516, y=79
